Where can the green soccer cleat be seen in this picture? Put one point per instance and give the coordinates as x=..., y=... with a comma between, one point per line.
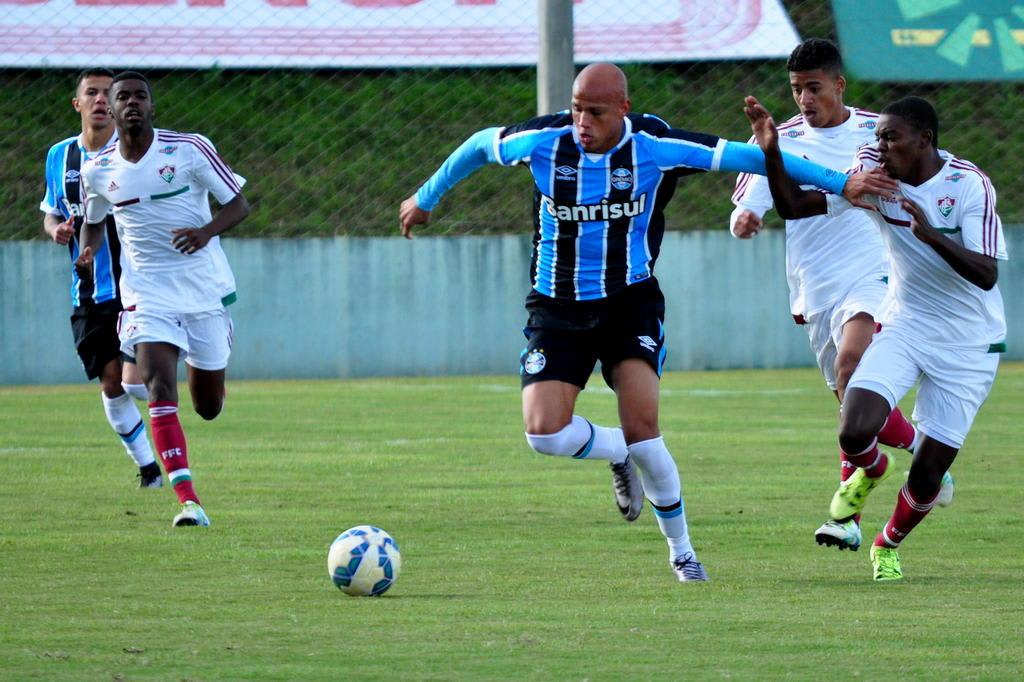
x=851, y=496
x=885, y=563
x=192, y=514
x=840, y=534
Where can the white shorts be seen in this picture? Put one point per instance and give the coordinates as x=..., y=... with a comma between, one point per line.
x=954, y=381
x=204, y=338
x=825, y=328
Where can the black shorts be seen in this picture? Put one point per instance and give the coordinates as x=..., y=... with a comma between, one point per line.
x=565, y=339
x=95, y=330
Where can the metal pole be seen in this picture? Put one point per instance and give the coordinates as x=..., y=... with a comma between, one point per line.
x=555, y=68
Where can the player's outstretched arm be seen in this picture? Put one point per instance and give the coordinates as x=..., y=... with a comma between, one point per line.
x=472, y=154
x=188, y=240
x=980, y=270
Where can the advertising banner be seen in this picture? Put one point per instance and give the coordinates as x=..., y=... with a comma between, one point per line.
x=376, y=33
x=932, y=40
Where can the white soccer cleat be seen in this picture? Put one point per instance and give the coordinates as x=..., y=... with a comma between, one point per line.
x=841, y=534
x=688, y=569
x=192, y=514
x=945, y=497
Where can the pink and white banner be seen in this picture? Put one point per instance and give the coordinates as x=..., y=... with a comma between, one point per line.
x=377, y=33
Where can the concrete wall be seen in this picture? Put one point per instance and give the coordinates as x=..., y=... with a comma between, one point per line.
x=347, y=307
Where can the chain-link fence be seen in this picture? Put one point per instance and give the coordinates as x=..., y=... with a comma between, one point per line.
x=334, y=150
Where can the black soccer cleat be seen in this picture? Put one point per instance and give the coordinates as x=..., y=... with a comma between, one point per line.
x=150, y=476
x=629, y=494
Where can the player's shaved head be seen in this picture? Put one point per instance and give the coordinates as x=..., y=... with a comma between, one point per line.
x=601, y=82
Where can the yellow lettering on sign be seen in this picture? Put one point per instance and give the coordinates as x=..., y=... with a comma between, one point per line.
x=982, y=38
x=917, y=37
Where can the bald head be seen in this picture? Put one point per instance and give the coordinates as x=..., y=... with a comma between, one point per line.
x=600, y=102
x=601, y=82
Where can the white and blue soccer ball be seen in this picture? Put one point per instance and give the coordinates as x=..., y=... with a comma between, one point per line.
x=364, y=561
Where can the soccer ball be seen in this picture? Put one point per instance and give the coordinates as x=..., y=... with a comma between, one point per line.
x=364, y=561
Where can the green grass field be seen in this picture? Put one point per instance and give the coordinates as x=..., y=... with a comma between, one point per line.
x=515, y=566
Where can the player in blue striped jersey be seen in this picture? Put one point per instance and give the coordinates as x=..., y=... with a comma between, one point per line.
x=603, y=177
x=96, y=301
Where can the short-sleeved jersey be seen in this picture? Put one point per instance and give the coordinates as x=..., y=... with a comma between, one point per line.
x=824, y=256
x=599, y=217
x=167, y=189
x=64, y=198
x=927, y=297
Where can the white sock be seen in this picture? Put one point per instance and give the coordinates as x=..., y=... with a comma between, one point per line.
x=137, y=391
x=660, y=477
x=126, y=421
x=582, y=440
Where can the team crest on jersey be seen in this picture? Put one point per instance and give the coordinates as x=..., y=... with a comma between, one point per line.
x=534, y=361
x=946, y=206
x=622, y=178
x=565, y=173
x=793, y=133
x=956, y=177
x=870, y=125
x=105, y=161
x=169, y=149
x=167, y=173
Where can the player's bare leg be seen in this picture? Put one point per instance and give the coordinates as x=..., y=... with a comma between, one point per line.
x=208, y=391
x=158, y=366
x=124, y=418
x=864, y=412
x=553, y=429
x=131, y=381
x=637, y=388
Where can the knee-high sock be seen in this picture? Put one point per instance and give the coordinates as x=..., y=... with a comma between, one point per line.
x=170, y=443
x=908, y=513
x=660, y=477
x=581, y=440
x=124, y=418
x=137, y=391
x=897, y=431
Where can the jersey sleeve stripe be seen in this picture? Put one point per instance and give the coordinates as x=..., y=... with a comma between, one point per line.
x=742, y=181
x=223, y=171
x=990, y=232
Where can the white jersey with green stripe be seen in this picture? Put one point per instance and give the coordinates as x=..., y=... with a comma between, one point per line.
x=166, y=190
x=927, y=298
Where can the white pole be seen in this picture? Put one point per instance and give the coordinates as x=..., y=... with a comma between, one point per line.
x=555, y=68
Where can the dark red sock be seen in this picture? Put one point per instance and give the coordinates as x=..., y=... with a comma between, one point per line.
x=908, y=513
x=897, y=432
x=169, y=440
x=871, y=461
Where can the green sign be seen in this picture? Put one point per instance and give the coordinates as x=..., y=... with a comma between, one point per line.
x=932, y=40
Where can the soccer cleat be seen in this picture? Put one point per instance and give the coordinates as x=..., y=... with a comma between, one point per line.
x=150, y=477
x=885, y=563
x=688, y=569
x=191, y=515
x=945, y=497
x=851, y=496
x=844, y=535
x=629, y=494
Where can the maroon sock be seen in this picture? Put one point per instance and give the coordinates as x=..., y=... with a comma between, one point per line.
x=169, y=440
x=908, y=513
x=873, y=462
x=897, y=432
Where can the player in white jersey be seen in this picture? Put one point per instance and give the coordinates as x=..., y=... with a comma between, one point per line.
x=942, y=322
x=837, y=267
x=176, y=281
